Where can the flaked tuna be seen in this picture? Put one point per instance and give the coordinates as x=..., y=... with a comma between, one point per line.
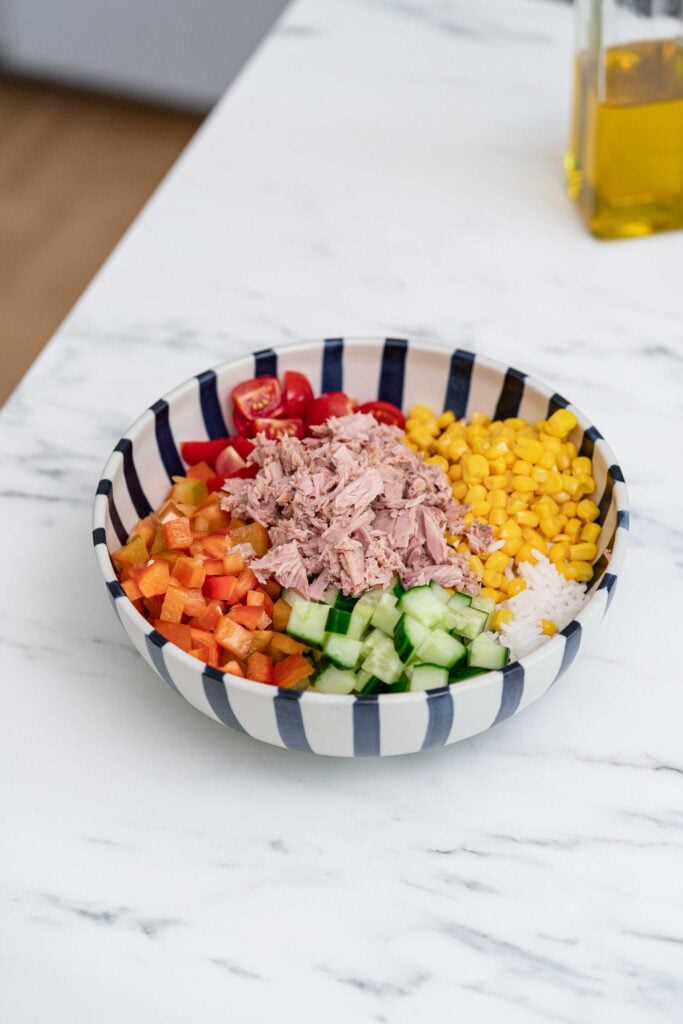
x=350, y=507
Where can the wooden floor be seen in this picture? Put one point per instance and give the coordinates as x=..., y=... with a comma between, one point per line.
x=75, y=169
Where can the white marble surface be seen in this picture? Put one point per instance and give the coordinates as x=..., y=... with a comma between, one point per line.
x=381, y=167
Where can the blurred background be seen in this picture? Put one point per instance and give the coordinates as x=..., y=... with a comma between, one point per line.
x=97, y=99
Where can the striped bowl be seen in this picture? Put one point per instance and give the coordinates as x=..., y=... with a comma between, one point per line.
x=136, y=479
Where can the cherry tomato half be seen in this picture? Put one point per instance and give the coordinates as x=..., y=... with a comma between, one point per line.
x=242, y=445
x=298, y=394
x=332, y=403
x=384, y=412
x=194, y=452
x=243, y=426
x=228, y=461
x=276, y=428
x=260, y=396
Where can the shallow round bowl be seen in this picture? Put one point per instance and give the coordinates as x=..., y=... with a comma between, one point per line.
x=136, y=479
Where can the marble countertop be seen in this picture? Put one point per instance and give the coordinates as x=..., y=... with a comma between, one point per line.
x=380, y=168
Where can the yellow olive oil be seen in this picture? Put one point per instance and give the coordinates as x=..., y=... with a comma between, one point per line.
x=625, y=160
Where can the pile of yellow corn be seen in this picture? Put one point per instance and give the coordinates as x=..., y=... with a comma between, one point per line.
x=528, y=482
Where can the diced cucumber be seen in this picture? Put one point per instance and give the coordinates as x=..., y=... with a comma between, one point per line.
x=329, y=596
x=386, y=615
x=342, y=650
x=458, y=599
x=428, y=677
x=335, y=680
x=450, y=618
x=439, y=592
x=486, y=652
x=401, y=686
x=338, y=621
x=440, y=648
x=360, y=618
x=374, y=637
x=469, y=622
x=367, y=683
x=292, y=597
x=346, y=603
x=396, y=587
x=485, y=604
x=462, y=672
x=384, y=662
x=408, y=635
x=422, y=604
x=307, y=622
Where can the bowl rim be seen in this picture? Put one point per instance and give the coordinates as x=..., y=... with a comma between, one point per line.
x=113, y=466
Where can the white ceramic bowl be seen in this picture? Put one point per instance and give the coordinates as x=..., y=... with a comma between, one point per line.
x=136, y=479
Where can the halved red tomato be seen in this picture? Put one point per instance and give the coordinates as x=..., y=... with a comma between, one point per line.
x=332, y=403
x=260, y=396
x=228, y=461
x=275, y=428
x=242, y=424
x=194, y=452
x=298, y=394
x=384, y=412
x=242, y=445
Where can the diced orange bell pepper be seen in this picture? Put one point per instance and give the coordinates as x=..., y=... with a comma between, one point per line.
x=131, y=554
x=214, y=546
x=285, y=644
x=256, y=598
x=214, y=567
x=281, y=613
x=153, y=606
x=189, y=492
x=214, y=515
x=178, y=634
x=206, y=642
x=201, y=471
x=233, y=669
x=260, y=668
x=233, y=637
x=246, y=581
x=189, y=572
x=154, y=579
x=158, y=544
x=177, y=534
x=146, y=529
x=251, y=618
x=260, y=639
x=253, y=534
x=131, y=590
x=221, y=588
x=291, y=671
x=195, y=603
x=233, y=564
x=174, y=604
x=209, y=618
x=272, y=589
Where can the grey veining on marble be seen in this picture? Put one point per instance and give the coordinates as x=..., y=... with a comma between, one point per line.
x=380, y=168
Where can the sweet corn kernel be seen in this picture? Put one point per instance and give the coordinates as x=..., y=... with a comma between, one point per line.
x=497, y=516
x=475, y=466
x=511, y=528
x=459, y=491
x=515, y=504
x=545, y=507
x=476, y=565
x=563, y=519
x=586, y=483
x=523, y=484
x=492, y=579
x=422, y=437
x=562, y=460
x=553, y=485
x=512, y=546
x=420, y=412
x=550, y=526
x=438, y=460
x=412, y=423
x=480, y=418
x=567, y=570
x=587, y=510
x=464, y=548
x=498, y=465
x=514, y=586
x=534, y=537
x=591, y=532
x=475, y=493
x=445, y=419
x=561, y=423
x=572, y=528
x=455, y=473
x=562, y=496
x=551, y=444
x=559, y=552
x=539, y=475
x=571, y=450
x=525, y=554
x=528, y=448
x=568, y=508
x=497, y=561
x=498, y=498
x=499, y=617
x=570, y=484
x=457, y=450
x=443, y=445
x=432, y=426
x=583, y=552
x=547, y=461
x=495, y=595
x=481, y=509
x=514, y=423
x=452, y=539
x=522, y=468
x=548, y=627
x=583, y=571
x=496, y=449
x=527, y=518
x=582, y=466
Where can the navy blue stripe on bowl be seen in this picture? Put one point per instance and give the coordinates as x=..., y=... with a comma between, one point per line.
x=513, y=689
x=572, y=636
x=265, y=363
x=624, y=519
x=332, y=378
x=290, y=721
x=590, y=436
x=608, y=583
x=511, y=395
x=99, y=536
x=212, y=414
x=459, y=380
x=556, y=402
x=115, y=589
x=392, y=371
x=155, y=644
x=137, y=495
x=216, y=694
x=365, y=727
x=168, y=451
x=614, y=474
x=104, y=487
x=440, y=717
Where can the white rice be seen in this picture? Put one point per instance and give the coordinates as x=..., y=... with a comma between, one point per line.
x=548, y=595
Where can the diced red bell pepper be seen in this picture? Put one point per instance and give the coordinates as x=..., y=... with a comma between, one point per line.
x=189, y=572
x=254, y=534
x=154, y=579
x=202, y=471
x=291, y=671
x=246, y=581
x=260, y=668
x=232, y=668
x=174, y=604
x=221, y=588
x=177, y=534
x=176, y=633
x=251, y=618
x=215, y=484
x=206, y=642
x=209, y=618
x=233, y=637
x=194, y=452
